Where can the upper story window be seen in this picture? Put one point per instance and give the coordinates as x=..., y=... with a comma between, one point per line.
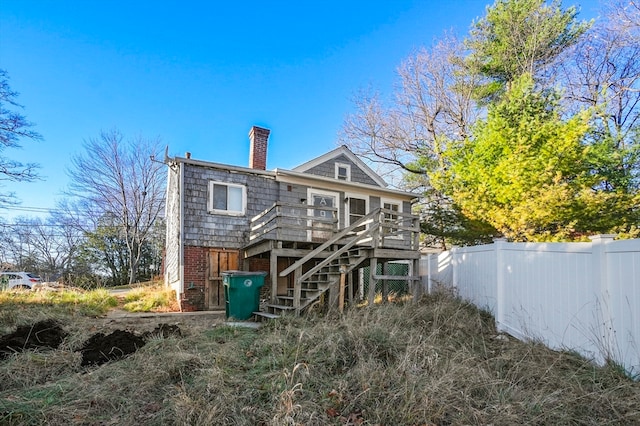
x=227, y=198
x=343, y=171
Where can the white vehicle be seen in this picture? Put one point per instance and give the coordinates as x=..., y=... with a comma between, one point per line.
x=23, y=280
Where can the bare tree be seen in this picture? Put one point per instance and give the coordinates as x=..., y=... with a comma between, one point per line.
x=119, y=179
x=624, y=18
x=432, y=106
x=603, y=73
x=13, y=127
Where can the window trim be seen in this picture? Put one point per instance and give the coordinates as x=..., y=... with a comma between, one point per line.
x=399, y=203
x=227, y=212
x=348, y=169
x=347, y=214
x=311, y=191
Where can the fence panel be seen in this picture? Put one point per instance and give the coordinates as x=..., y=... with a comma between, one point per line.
x=623, y=278
x=549, y=294
x=579, y=296
x=476, y=280
x=436, y=269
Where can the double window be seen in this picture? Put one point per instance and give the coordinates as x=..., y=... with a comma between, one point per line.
x=227, y=198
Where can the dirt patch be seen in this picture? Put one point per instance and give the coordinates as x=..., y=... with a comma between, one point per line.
x=98, y=349
x=41, y=335
x=101, y=348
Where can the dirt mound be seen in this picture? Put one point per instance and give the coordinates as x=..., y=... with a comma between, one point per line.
x=102, y=348
x=41, y=335
x=99, y=349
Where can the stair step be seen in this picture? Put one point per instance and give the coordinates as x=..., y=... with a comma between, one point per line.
x=280, y=307
x=291, y=298
x=265, y=315
x=313, y=292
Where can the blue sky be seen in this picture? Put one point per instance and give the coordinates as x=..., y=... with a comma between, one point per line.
x=199, y=74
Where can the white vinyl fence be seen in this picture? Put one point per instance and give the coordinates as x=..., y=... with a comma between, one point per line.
x=578, y=296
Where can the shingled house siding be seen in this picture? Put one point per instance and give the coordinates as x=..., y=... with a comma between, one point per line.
x=328, y=169
x=205, y=229
x=172, y=214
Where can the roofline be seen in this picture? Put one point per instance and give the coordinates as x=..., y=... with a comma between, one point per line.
x=346, y=151
x=221, y=166
x=288, y=175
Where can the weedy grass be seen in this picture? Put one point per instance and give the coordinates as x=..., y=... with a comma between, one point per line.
x=439, y=361
x=24, y=307
x=154, y=298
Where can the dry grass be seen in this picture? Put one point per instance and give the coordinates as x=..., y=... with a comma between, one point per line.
x=436, y=362
x=152, y=298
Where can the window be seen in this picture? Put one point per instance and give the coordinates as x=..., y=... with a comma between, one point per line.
x=227, y=198
x=389, y=216
x=343, y=171
x=357, y=210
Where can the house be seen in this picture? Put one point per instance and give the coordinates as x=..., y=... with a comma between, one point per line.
x=309, y=228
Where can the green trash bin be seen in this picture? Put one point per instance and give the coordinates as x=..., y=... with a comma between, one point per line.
x=242, y=293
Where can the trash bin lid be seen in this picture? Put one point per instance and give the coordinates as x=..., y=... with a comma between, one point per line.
x=243, y=273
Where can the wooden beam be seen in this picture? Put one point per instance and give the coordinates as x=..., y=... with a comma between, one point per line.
x=396, y=277
x=372, y=280
x=396, y=254
x=273, y=270
x=297, y=289
x=343, y=276
x=418, y=290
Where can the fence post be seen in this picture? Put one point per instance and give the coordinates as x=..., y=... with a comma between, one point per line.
x=500, y=302
x=601, y=288
x=454, y=269
x=429, y=273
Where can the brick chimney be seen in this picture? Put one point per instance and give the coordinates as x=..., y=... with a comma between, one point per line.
x=258, y=149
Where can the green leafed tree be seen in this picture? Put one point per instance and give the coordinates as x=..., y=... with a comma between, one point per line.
x=534, y=175
x=518, y=37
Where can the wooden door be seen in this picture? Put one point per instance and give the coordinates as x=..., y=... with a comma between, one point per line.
x=322, y=222
x=219, y=261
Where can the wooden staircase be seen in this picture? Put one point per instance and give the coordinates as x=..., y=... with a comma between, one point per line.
x=317, y=281
x=348, y=249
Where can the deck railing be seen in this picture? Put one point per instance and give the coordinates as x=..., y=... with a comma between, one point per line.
x=294, y=222
x=304, y=223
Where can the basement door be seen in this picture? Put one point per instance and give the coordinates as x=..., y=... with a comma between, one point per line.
x=219, y=261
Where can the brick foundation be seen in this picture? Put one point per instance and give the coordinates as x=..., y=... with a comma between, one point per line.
x=195, y=266
x=257, y=264
x=194, y=293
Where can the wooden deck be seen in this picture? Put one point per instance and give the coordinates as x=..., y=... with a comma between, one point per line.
x=317, y=253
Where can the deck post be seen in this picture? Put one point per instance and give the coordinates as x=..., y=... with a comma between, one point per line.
x=372, y=281
x=273, y=269
x=297, y=289
x=343, y=279
x=417, y=286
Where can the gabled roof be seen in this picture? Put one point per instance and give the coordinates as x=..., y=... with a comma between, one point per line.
x=342, y=150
